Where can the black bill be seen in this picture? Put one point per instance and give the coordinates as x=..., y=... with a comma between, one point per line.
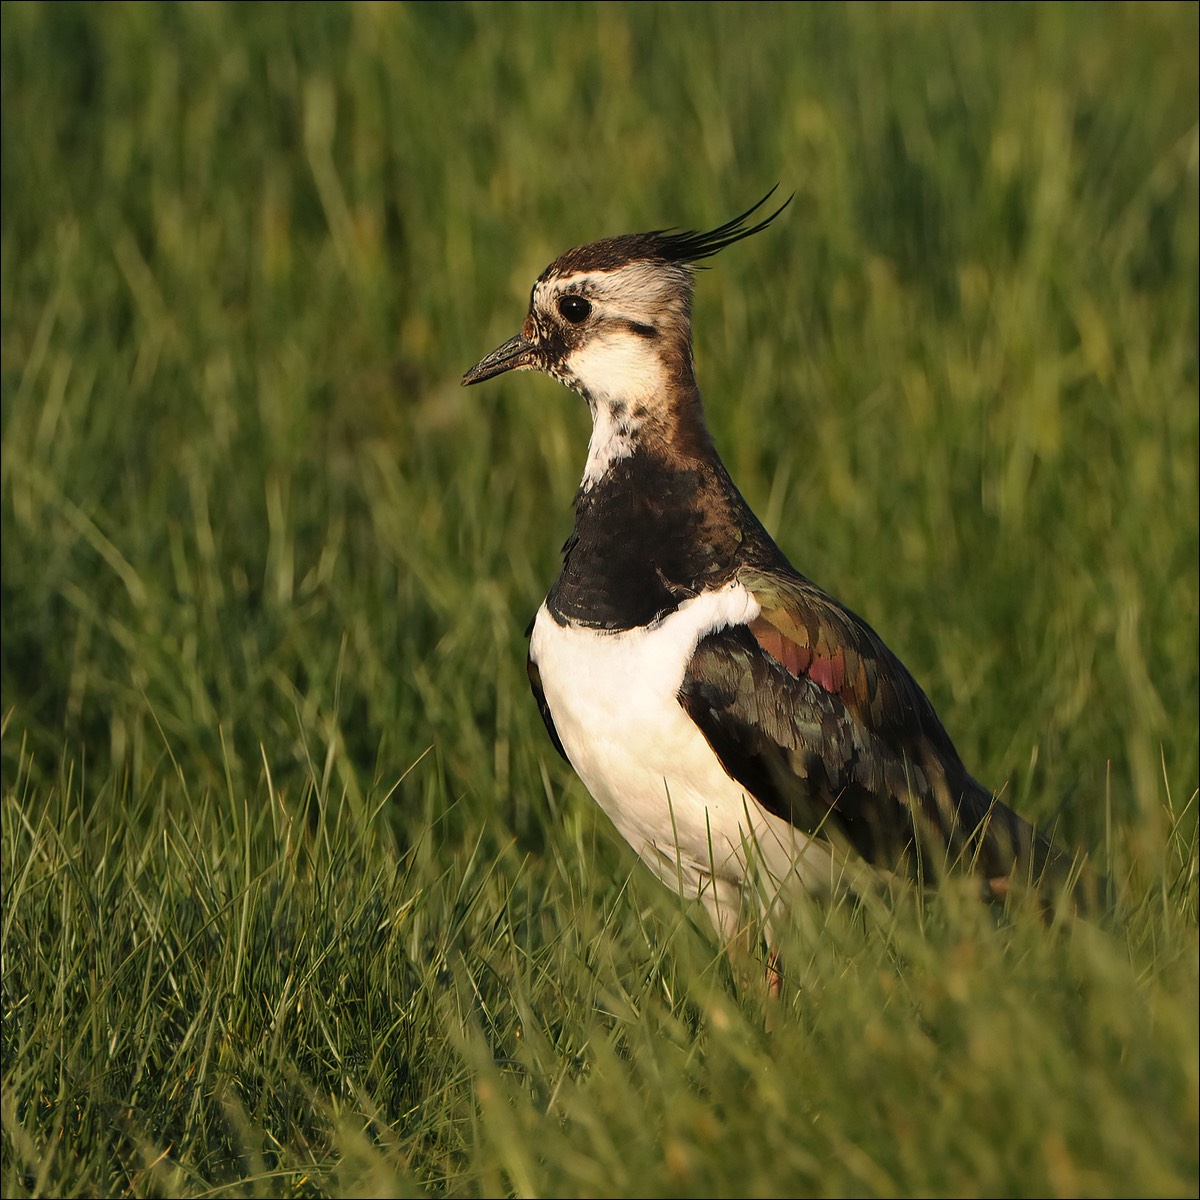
x=512, y=356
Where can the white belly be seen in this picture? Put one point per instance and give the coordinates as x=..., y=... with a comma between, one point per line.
x=614, y=700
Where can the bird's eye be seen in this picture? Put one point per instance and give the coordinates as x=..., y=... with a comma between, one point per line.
x=575, y=309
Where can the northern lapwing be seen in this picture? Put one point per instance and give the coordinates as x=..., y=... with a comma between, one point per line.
x=747, y=734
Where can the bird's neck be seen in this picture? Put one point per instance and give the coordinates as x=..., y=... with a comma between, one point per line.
x=640, y=396
x=657, y=517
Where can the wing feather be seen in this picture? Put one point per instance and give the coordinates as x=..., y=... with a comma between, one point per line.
x=813, y=715
x=539, y=694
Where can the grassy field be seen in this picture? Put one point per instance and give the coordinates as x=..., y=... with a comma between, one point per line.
x=298, y=900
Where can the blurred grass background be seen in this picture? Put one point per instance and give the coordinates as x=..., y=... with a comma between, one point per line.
x=298, y=900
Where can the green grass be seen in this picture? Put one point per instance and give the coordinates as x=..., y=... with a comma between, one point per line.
x=297, y=898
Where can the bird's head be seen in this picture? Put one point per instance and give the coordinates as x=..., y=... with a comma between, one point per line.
x=612, y=320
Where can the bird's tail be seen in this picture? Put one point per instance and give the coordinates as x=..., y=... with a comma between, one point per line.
x=1011, y=855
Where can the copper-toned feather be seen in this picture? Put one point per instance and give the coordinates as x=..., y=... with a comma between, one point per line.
x=824, y=726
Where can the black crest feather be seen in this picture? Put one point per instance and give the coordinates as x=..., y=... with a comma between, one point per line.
x=690, y=245
x=664, y=245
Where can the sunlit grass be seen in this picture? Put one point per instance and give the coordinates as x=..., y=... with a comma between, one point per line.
x=297, y=898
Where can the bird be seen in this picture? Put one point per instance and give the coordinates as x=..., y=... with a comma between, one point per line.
x=752, y=738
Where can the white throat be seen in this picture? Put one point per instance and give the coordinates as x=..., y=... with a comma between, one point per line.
x=622, y=376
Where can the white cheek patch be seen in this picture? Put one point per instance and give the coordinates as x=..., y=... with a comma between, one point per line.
x=618, y=367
